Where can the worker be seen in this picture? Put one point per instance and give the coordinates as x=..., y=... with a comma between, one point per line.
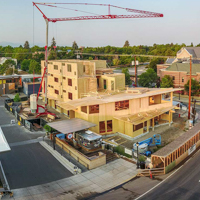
x=11, y=194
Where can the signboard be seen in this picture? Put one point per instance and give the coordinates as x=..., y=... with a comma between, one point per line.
x=128, y=151
x=135, y=154
x=191, y=149
x=69, y=136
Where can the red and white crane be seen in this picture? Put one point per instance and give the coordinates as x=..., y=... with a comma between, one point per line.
x=137, y=14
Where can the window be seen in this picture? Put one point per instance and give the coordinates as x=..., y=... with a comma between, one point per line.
x=69, y=68
x=69, y=82
x=70, y=95
x=93, y=109
x=64, y=91
x=55, y=79
x=109, y=126
x=173, y=78
x=137, y=127
x=52, y=87
x=102, y=127
x=182, y=79
x=122, y=105
x=56, y=92
x=83, y=68
x=84, y=109
x=75, y=87
x=55, y=67
x=50, y=63
x=63, y=64
x=112, y=85
x=156, y=99
x=64, y=78
x=51, y=74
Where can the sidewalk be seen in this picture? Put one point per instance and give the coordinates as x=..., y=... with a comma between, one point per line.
x=82, y=185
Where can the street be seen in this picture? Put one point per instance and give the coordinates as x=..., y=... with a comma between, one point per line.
x=184, y=184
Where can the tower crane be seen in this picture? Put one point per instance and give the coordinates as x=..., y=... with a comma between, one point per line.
x=137, y=14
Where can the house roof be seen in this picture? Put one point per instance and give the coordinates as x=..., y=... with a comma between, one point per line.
x=184, y=67
x=195, y=51
x=170, y=60
x=168, y=149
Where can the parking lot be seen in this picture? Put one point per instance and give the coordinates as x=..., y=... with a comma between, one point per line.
x=27, y=164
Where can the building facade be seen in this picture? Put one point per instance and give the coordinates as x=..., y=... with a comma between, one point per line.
x=131, y=112
x=74, y=79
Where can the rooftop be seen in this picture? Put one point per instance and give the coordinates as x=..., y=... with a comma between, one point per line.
x=184, y=67
x=168, y=149
x=102, y=98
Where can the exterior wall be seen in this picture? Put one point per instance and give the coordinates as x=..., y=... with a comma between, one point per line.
x=159, y=67
x=107, y=112
x=117, y=80
x=183, y=54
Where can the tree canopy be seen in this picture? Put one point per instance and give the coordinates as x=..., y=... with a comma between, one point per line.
x=74, y=45
x=127, y=76
x=195, y=87
x=53, y=43
x=34, y=67
x=17, y=98
x=148, y=78
x=6, y=65
x=166, y=82
x=26, y=45
x=154, y=62
x=126, y=44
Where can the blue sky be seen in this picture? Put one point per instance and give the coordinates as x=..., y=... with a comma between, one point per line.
x=179, y=25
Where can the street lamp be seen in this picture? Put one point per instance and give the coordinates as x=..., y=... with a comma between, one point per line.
x=137, y=144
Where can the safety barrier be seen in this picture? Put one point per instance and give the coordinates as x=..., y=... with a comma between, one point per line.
x=148, y=172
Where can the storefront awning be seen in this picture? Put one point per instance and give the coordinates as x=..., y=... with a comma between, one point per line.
x=4, y=146
x=71, y=125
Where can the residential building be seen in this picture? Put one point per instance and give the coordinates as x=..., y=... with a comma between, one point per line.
x=74, y=79
x=187, y=52
x=131, y=112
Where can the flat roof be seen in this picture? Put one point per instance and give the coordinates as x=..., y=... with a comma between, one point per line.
x=180, y=141
x=4, y=146
x=121, y=96
x=89, y=135
x=71, y=125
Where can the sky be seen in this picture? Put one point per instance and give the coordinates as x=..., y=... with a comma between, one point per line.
x=180, y=23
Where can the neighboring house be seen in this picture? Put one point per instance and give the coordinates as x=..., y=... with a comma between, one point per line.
x=186, y=52
x=180, y=72
x=74, y=79
x=130, y=112
x=3, y=60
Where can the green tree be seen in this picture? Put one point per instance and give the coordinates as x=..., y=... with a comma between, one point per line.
x=126, y=44
x=166, y=82
x=195, y=87
x=53, y=43
x=127, y=76
x=9, y=71
x=116, y=61
x=26, y=45
x=6, y=65
x=34, y=66
x=154, y=62
x=74, y=45
x=17, y=98
x=25, y=64
x=148, y=78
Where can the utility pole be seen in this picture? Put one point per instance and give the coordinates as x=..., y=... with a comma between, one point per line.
x=135, y=73
x=190, y=85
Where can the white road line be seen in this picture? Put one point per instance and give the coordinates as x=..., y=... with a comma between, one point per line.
x=158, y=184
x=166, y=178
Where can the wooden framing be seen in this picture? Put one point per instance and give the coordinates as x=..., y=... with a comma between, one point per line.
x=170, y=158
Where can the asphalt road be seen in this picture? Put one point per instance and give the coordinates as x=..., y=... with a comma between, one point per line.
x=184, y=184
x=28, y=164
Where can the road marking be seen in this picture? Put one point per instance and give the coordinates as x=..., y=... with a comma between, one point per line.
x=158, y=184
x=166, y=178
